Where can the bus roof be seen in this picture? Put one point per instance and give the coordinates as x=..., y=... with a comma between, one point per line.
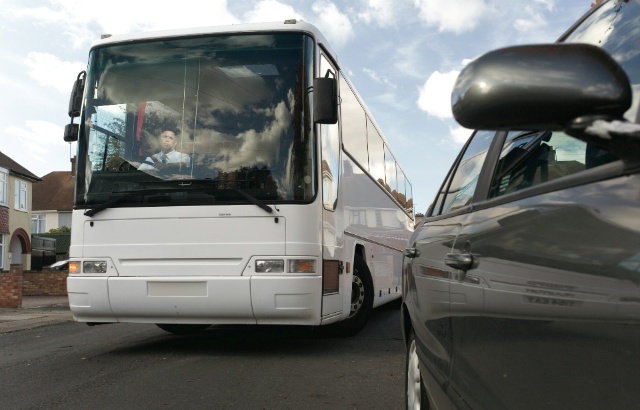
x=279, y=26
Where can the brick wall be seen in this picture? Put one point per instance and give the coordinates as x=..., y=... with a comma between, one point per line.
x=45, y=283
x=11, y=287
x=4, y=222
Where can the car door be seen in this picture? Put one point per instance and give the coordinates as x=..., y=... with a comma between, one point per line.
x=556, y=263
x=429, y=278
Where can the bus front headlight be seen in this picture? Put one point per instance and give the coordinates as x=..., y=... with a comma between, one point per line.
x=94, y=267
x=270, y=265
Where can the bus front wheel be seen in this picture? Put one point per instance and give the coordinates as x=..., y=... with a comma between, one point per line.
x=180, y=329
x=361, y=298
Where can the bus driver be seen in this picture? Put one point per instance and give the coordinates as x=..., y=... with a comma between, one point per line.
x=168, y=158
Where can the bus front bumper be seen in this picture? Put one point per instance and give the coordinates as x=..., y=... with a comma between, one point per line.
x=276, y=300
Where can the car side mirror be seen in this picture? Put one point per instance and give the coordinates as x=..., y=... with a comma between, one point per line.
x=325, y=100
x=539, y=87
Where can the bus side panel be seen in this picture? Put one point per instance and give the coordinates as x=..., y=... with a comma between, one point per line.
x=371, y=214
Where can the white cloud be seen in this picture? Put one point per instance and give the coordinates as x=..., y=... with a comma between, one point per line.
x=335, y=25
x=49, y=70
x=548, y=4
x=534, y=20
x=459, y=134
x=271, y=10
x=125, y=16
x=81, y=20
x=466, y=61
x=391, y=100
x=37, y=137
x=378, y=79
x=435, y=95
x=379, y=12
x=453, y=15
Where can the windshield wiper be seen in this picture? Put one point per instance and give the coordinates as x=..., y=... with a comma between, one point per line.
x=254, y=200
x=109, y=203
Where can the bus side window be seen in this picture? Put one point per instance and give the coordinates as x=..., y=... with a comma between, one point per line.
x=409, y=206
x=402, y=197
x=376, y=153
x=354, y=125
x=390, y=173
x=330, y=141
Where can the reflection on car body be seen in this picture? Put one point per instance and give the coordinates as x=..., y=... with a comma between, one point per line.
x=522, y=284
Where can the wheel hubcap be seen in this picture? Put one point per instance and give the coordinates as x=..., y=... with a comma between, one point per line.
x=413, y=379
x=357, y=295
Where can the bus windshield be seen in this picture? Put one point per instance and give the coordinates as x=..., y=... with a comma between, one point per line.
x=217, y=116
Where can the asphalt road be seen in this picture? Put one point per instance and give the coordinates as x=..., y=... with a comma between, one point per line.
x=131, y=366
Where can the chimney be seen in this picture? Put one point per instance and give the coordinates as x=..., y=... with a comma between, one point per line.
x=73, y=166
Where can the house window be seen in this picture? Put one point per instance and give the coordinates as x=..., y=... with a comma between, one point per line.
x=38, y=223
x=4, y=177
x=2, y=249
x=21, y=195
x=64, y=219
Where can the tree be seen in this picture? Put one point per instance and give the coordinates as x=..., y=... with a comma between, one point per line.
x=62, y=229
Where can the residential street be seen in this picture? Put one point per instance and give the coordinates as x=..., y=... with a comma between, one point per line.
x=74, y=366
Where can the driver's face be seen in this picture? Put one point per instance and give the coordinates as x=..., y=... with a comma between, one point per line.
x=168, y=141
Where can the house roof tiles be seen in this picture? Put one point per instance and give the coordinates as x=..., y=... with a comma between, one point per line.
x=14, y=167
x=55, y=192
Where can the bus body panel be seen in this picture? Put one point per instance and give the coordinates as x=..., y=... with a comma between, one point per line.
x=286, y=300
x=207, y=300
x=183, y=246
x=373, y=217
x=89, y=299
x=276, y=300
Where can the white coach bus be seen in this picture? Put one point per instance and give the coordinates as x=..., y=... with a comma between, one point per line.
x=222, y=180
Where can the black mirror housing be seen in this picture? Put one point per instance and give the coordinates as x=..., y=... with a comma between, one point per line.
x=71, y=132
x=539, y=87
x=75, y=101
x=325, y=100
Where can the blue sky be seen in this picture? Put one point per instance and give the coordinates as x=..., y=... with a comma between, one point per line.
x=402, y=55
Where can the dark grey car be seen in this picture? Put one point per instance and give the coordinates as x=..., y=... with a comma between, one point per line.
x=521, y=287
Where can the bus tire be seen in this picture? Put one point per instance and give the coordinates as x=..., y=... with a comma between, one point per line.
x=361, y=299
x=181, y=329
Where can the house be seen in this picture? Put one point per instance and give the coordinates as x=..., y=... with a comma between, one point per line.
x=53, y=200
x=15, y=213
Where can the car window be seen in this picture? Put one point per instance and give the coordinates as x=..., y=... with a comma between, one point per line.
x=438, y=201
x=464, y=182
x=528, y=159
x=615, y=26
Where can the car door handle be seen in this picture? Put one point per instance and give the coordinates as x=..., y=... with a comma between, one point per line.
x=411, y=252
x=462, y=261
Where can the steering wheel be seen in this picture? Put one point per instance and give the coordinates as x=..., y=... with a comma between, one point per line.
x=125, y=166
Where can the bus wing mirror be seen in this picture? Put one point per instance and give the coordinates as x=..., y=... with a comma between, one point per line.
x=325, y=100
x=75, y=101
x=71, y=132
x=75, y=106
